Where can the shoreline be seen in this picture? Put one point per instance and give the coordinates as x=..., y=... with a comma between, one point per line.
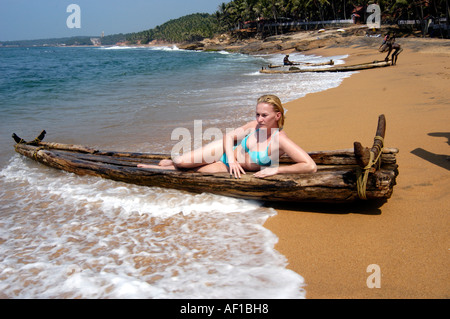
x=331, y=247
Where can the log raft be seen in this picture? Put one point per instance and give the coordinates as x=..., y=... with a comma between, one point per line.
x=274, y=66
x=342, y=175
x=343, y=68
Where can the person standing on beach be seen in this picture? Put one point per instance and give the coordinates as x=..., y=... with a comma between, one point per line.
x=255, y=146
x=389, y=45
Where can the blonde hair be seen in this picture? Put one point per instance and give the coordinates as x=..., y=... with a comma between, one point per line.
x=277, y=106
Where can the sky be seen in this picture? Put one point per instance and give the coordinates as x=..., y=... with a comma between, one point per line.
x=43, y=19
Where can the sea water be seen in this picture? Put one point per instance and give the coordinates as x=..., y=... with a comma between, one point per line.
x=66, y=236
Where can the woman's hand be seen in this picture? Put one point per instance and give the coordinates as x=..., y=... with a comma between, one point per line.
x=236, y=169
x=269, y=171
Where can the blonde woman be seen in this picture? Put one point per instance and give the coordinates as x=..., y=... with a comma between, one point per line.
x=253, y=147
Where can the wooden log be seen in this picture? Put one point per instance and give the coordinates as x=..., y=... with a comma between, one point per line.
x=331, y=62
x=342, y=157
x=345, y=68
x=68, y=147
x=38, y=139
x=18, y=139
x=337, y=157
x=338, y=177
x=334, y=157
x=110, y=159
x=100, y=157
x=363, y=154
x=370, y=160
x=329, y=184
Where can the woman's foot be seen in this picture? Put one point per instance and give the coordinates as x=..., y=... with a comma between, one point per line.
x=166, y=162
x=145, y=166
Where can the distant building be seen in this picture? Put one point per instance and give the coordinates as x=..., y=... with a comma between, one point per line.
x=96, y=41
x=358, y=14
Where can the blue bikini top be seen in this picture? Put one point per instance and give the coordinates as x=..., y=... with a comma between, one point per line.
x=260, y=158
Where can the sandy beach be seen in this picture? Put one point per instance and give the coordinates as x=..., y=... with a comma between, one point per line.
x=408, y=236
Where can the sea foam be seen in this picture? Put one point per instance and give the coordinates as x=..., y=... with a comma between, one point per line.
x=85, y=237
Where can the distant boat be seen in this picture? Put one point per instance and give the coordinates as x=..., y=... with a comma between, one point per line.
x=343, y=68
x=331, y=62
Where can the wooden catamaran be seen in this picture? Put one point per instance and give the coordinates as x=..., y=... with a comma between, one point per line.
x=342, y=68
x=274, y=66
x=342, y=175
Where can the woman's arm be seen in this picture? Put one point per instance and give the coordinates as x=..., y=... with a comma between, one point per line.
x=304, y=163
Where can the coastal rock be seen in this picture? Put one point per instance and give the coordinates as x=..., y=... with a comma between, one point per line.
x=297, y=41
x=315, y=44
x=192, y=46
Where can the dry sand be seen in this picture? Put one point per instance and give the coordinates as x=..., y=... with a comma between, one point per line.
x=408, y=236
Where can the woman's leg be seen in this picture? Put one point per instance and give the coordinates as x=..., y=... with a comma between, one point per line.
x=217, y=167
x=156, y=166
x=204, y=156
x=163, y=164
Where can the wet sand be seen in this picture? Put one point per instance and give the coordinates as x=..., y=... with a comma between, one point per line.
x=331, y=246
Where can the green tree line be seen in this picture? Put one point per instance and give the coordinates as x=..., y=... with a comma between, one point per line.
x=188, y=28
x=231, y=14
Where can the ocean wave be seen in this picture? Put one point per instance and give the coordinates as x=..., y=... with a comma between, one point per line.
x=137, y=47
x=117, y=47
x=165, y=48
x=86, y=237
